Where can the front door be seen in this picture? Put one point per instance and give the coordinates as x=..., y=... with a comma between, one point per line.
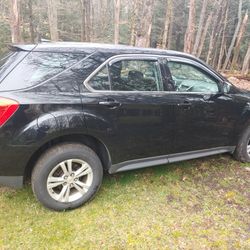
x=205, y=118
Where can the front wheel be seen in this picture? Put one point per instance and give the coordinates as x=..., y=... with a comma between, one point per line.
x=242, y=151
x=67, y=176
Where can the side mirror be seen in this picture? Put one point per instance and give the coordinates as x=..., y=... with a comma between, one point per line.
x=226, y=87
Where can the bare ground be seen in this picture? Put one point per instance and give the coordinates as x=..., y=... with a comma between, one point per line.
x=243, y=83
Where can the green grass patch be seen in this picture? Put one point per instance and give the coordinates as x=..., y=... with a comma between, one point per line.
x=198, y=204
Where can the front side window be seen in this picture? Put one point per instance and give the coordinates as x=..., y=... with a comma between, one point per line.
x=188, y=78
x=128, y=75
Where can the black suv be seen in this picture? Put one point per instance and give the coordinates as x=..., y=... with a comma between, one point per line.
x=70, y=111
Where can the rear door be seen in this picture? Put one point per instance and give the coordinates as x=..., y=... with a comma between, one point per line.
x=127, y=108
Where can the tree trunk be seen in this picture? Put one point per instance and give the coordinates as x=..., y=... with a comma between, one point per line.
x=31, y=24
x=52, y=15
x=117, y=7
x=246, y=62
x=83, y=21
x=215, y=30
x=133, y=25
x=238, y=42
x=15, y=21
x=200, y=27
x=234, y=37
x=189, y=35
x=170, y=32
x=167, y=24
x=223, y=45
x=87, y=20
x=143, y=31
x=204, y=34
x=219, y=33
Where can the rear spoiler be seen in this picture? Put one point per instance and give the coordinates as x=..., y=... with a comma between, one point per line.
x=21, y=47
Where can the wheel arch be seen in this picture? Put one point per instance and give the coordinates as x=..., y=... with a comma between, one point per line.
x=95, y=144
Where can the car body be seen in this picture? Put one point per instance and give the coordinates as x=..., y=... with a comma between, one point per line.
x=134, y=107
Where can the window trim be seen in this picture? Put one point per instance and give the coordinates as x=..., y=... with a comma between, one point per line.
x=118, y=58
x=196, y=65
x=158, y=58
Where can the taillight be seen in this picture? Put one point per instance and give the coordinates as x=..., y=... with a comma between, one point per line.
x=7, y=108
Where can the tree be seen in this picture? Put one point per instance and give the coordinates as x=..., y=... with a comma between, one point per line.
x=15, y=21
x=238, y=41
x=144, y=23
x=216, y=23
x=245, y=67
x=52, y=15
x=200, y=27
x=133, y=21
x=83, y=21
x=204, y=34
x=31, y=25
x=234, y=37
x=168, y=18
x=190, y=31
x=117, y=5
x=223, y=45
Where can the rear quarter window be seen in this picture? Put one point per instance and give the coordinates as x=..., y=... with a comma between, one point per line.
x=38, y=67
x=8, y=61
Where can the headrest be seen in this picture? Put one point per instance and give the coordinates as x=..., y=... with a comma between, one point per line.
x=134, y=74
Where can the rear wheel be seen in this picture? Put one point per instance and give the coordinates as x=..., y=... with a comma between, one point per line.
x=67, y=176
x=242, y=151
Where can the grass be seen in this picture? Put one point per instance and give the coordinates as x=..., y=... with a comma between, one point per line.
x=198, y=204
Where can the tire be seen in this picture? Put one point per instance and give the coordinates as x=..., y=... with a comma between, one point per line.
x=67, y=176
x=242, y=151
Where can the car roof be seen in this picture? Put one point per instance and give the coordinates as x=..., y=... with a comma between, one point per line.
x=80, y=47
x=83, y=47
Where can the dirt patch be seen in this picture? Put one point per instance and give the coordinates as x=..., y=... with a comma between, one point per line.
x=240, y=83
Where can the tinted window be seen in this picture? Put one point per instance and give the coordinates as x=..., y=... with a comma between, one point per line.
x=135, y=75
x=128, y=75
x=101, y=80
x=7, y=60
x=188, y=78
x=38, y=67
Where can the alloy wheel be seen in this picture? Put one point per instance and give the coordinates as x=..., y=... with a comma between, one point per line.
x=70, y=180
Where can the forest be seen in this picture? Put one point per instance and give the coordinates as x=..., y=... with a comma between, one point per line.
x=217, y=31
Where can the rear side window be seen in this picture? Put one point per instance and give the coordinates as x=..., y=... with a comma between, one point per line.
x=128, y=75
x=38, y=67
x=101, y=80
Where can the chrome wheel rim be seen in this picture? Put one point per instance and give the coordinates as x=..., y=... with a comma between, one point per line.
x=70, y=180
x=248, y=148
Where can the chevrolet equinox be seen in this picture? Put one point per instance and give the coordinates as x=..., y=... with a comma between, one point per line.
x=70, y=111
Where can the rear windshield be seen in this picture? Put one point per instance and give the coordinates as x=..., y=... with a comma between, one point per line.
x=38, y=67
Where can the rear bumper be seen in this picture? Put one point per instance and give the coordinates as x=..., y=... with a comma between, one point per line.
x=11, y=181
x=13, y=162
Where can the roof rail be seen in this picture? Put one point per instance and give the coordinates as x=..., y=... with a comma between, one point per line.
x=44, y=40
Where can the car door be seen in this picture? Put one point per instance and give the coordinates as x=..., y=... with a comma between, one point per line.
x=126, y=108
x=205, y=117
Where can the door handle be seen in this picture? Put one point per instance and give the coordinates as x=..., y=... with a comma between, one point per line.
x=186, y=105
x=110, y=103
